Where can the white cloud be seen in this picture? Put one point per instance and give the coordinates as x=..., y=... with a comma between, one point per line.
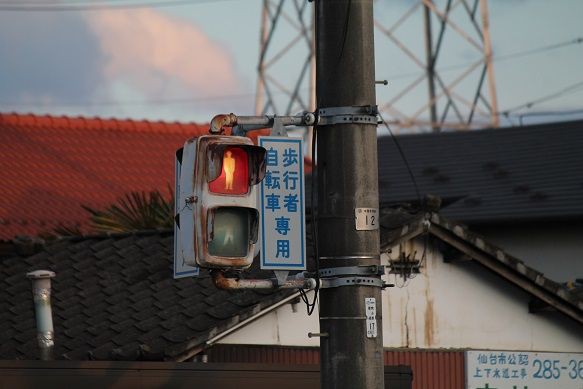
x=161, y=55
x=57, y=60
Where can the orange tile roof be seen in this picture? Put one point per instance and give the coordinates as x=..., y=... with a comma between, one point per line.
x=50, y=166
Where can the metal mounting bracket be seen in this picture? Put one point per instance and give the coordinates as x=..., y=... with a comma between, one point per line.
x=278, y=129
x=342, y=115
x=243, y=124
x=326, y=283
x=373, y=270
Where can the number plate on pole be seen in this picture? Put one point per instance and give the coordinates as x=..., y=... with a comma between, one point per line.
x=366, y=219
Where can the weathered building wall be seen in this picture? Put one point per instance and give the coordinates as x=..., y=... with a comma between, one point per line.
x=462, y=305
x=458, y=305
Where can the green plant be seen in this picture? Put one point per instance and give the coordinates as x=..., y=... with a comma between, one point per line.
x=133, y=212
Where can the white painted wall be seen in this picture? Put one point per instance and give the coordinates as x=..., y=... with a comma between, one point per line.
x=464, y=306
x=447, y=306
x=282, y=327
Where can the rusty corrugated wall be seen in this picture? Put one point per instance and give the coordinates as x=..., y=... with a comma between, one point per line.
x=175, y=375
x=432, y=369
x=264, y=354
x=155, y=375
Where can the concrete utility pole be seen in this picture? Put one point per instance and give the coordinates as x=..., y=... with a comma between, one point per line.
x=348, y=183
x=430, y=68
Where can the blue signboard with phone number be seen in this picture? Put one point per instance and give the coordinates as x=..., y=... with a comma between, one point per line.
x=523, y=370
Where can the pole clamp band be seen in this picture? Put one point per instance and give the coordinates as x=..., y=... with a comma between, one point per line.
x=343, y=115
x=373, y=270
x=326, y=283
x=349, y=257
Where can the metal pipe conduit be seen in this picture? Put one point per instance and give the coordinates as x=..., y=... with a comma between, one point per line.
x=41, y=291
x=219, y=122
x=226, y=283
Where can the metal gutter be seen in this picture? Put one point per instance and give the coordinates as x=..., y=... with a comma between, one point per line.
x=41, y=291
x=263, y=312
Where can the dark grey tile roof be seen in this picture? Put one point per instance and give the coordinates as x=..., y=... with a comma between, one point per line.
x=531, y=172
x=114, y=298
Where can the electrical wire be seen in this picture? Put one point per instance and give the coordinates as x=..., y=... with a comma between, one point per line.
x=403, y=157
x=565, y=91
x=537, y=50
x=60, y=7
x=553, y=113
x=311, y=306
x=549, y=113
x=424, y=255
x=245, y=95
x=522, y=116
x=497, y=58
x=524, y=53
x=106, y=103
x=59, y=2
x=577, y=87
x=417, y=193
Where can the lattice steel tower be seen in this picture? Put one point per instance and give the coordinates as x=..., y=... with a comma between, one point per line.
x=429, y=93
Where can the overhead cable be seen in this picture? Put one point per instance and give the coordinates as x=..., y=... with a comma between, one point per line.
x=563, y=92
x=95, y=6
x=502, y=57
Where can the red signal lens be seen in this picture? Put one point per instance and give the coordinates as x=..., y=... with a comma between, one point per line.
x=234, y=178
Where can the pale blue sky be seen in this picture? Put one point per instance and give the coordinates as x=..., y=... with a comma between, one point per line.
x=108, y=63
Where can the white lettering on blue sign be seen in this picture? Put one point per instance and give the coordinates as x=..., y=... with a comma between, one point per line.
x=523, y=370
x=282, y=205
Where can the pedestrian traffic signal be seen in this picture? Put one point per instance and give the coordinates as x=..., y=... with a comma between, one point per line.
x=217, y=211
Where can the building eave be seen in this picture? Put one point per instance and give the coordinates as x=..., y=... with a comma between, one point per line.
x=492, y=258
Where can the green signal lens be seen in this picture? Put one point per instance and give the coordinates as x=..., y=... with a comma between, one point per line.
x=231, y=235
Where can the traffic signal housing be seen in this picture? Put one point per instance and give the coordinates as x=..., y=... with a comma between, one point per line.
x=216, y=203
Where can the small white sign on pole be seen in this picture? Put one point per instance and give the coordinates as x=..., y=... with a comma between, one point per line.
x=487, y=369
x=366, y=219
x=371, y=317
x=283, y=224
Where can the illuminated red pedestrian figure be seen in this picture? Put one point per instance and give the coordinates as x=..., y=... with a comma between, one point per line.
x=229, y=167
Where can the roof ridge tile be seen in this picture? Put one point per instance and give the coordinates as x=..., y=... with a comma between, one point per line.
x=93, y=123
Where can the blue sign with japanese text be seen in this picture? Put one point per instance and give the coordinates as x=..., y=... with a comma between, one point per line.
x=283, y=236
